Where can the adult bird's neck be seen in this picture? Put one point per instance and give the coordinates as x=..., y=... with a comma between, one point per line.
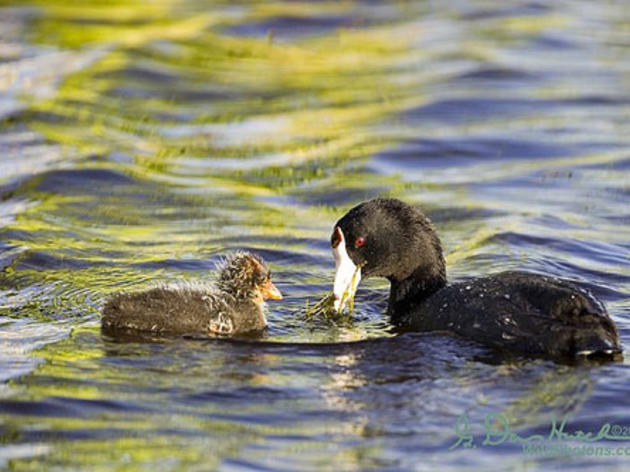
x=405, y=294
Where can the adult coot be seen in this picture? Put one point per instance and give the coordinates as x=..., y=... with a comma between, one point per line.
x=519, y=312
x=233, y=305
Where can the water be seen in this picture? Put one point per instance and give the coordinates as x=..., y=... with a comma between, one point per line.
x=141, y=141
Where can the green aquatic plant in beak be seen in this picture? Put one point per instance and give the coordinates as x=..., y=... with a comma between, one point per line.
x=322, y=309
x=327, y=307
x=345, y=303
x=347, y=275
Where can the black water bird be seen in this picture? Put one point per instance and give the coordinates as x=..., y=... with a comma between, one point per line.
x=518, y=312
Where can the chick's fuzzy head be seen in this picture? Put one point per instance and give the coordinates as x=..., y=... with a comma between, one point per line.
x=244, y=275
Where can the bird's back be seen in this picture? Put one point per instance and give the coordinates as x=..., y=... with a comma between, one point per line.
x=165, y=310
x=519, y=312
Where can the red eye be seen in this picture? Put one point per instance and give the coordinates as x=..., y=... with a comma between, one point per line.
x=359, y=242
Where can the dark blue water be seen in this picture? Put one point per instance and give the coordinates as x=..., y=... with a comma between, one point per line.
x=140, y=142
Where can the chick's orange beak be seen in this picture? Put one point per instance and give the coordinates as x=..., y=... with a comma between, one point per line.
x=269, y=290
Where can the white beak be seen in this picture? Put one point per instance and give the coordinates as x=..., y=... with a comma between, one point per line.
x=347, y=277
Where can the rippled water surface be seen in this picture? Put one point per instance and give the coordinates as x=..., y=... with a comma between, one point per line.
x=140, y=141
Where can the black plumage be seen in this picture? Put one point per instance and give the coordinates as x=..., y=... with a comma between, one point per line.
x=519, y=312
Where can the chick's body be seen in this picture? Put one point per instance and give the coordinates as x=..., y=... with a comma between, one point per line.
x=233, y=305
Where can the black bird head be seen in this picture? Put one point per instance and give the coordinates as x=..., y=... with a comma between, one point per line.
x=384, y=237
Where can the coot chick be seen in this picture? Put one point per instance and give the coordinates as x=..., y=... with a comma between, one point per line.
x=518, y=312
x=234, y=305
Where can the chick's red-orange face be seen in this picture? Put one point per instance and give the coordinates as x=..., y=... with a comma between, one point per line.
x=262, y=279
x=269, y=291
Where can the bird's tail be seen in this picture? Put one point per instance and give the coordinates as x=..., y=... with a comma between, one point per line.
x=597, y=342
